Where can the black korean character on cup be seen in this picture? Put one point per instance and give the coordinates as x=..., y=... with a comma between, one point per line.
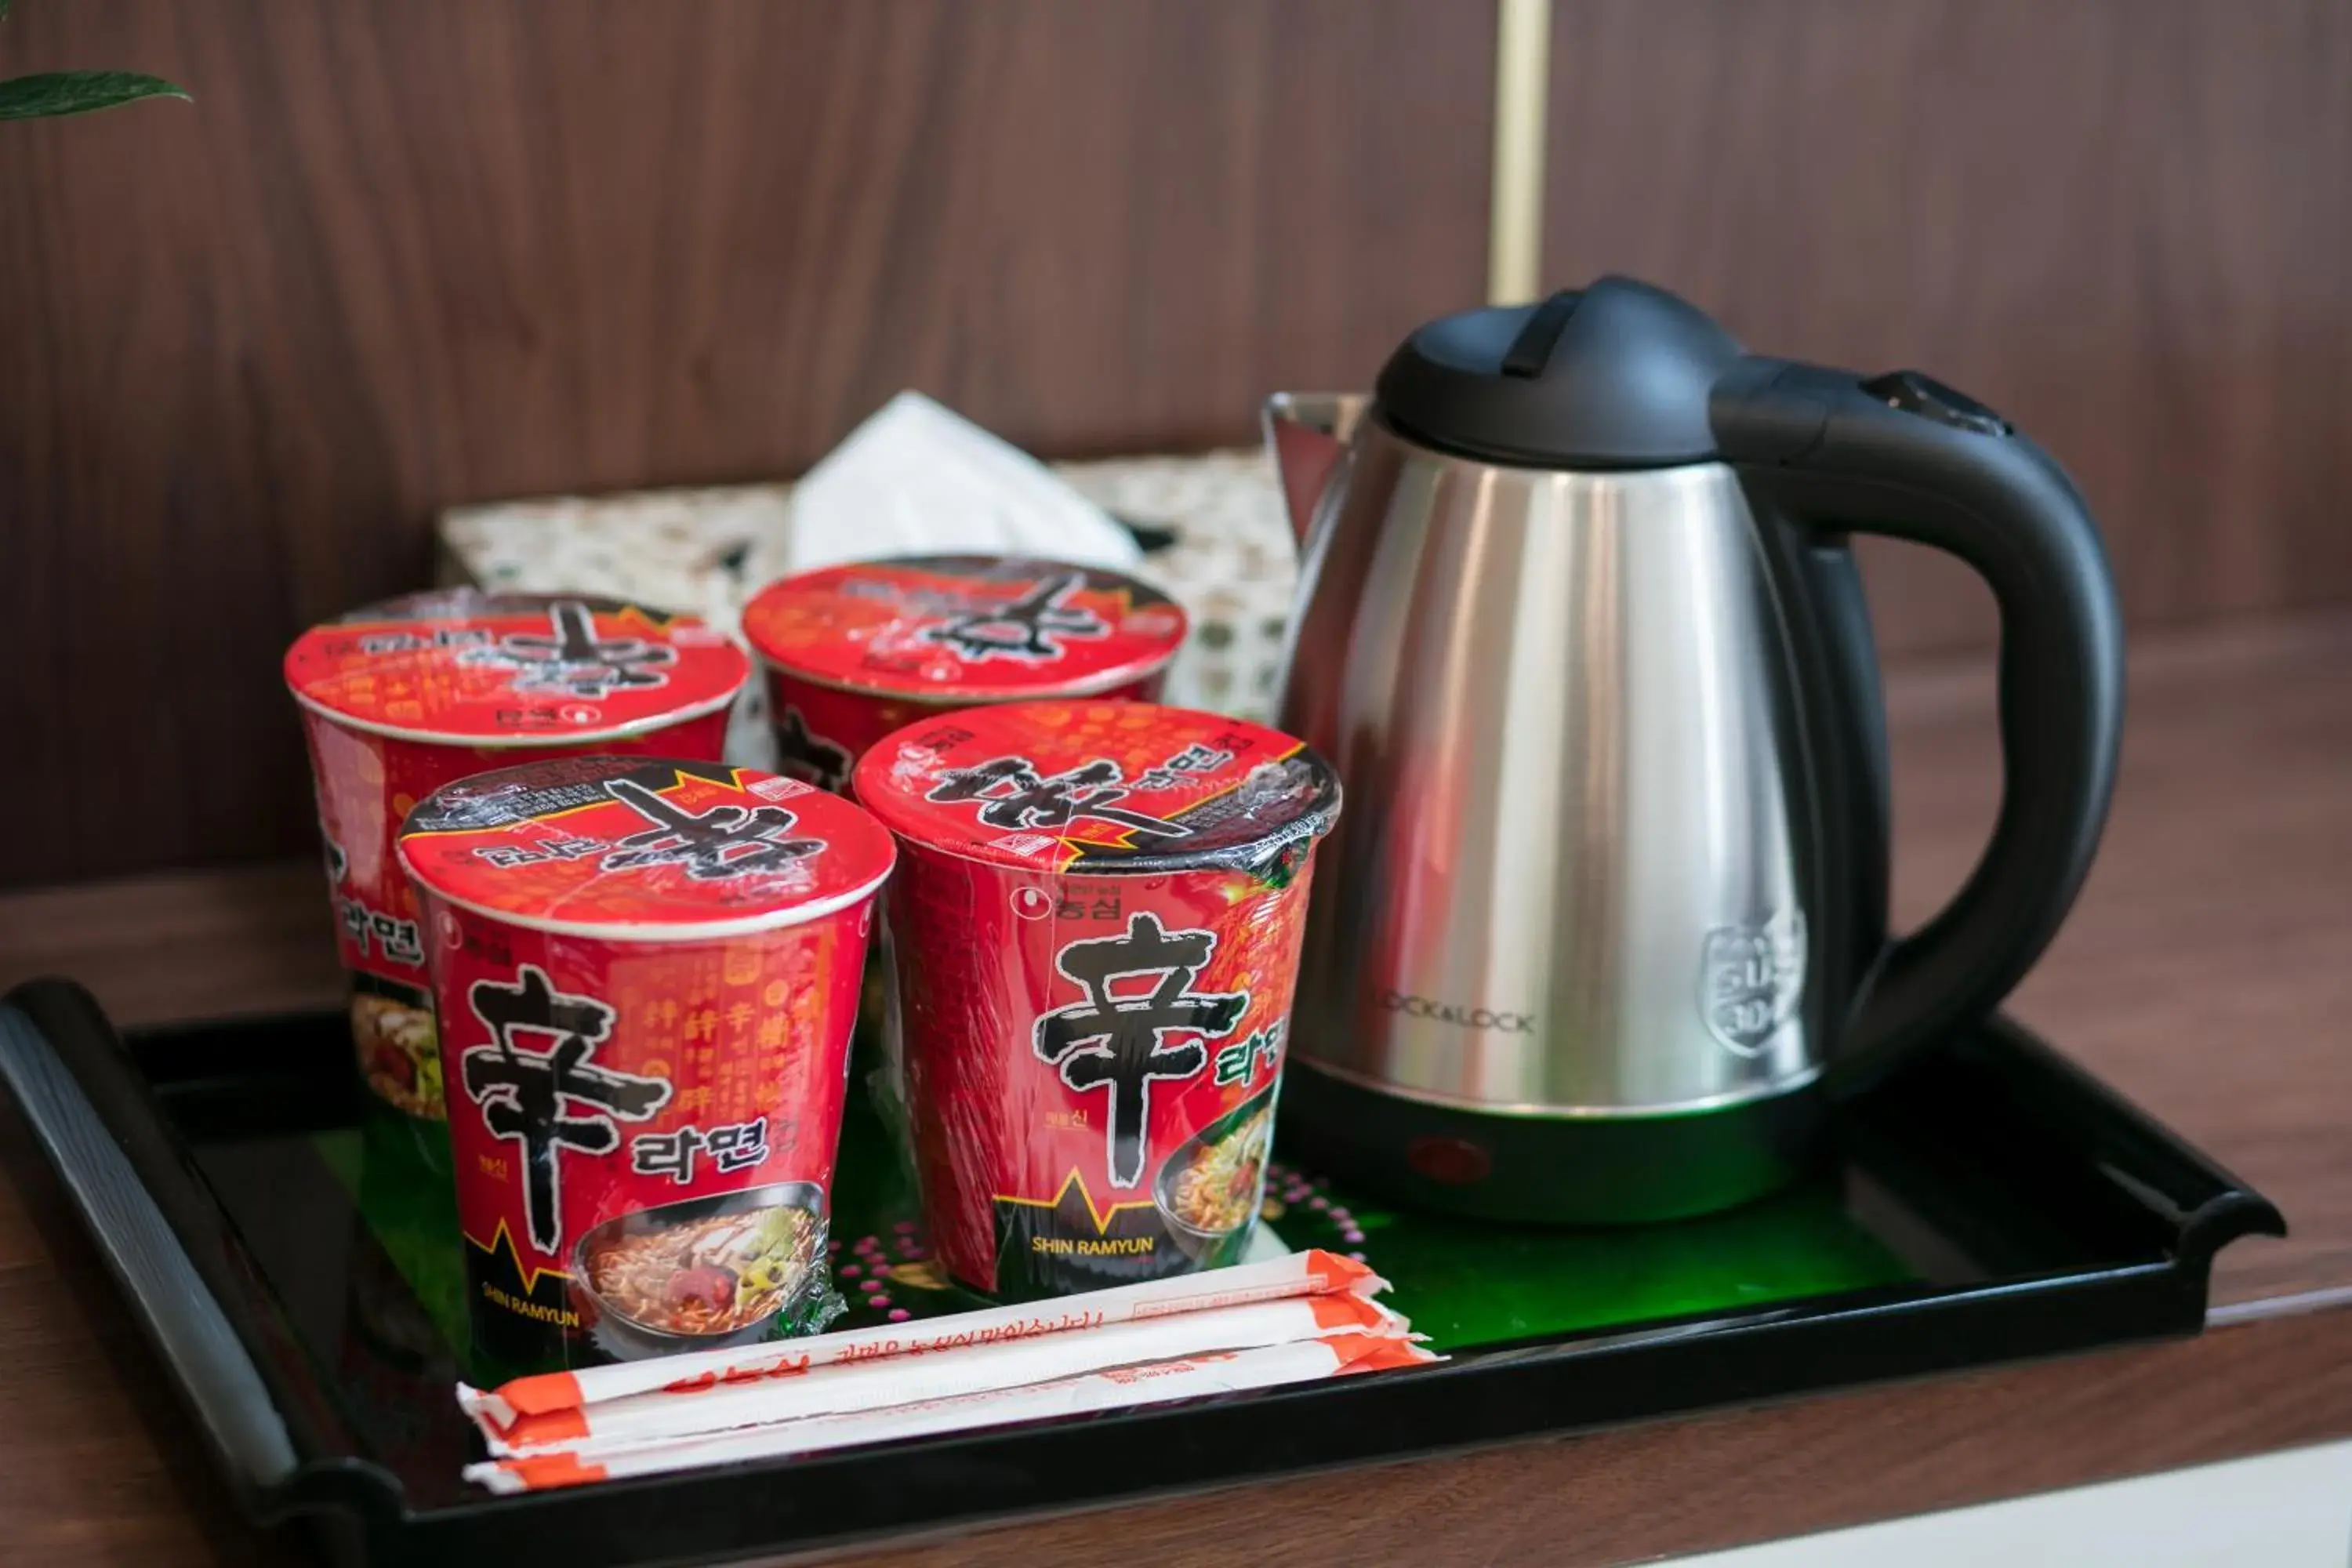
x=740, y=1147
x=396, y=938
x=552, y=1099
x=725, y=841
x=572, y=660
x=1027, y=628
x=943, y=738
x=1117, y=1043
x=668, y=1154
x=1012, y=794
x=804, y=754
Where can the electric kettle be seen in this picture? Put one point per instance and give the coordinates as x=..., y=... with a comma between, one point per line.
x=1602, y=934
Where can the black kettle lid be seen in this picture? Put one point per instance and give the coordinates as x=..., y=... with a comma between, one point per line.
x=1613, y=376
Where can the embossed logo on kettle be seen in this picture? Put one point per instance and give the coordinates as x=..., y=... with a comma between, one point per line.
x=1752, y=978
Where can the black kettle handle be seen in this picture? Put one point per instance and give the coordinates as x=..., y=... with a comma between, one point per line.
x=1902, y=456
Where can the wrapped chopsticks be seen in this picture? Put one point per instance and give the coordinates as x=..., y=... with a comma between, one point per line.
x=1291, y=1318
x=1187, y=1377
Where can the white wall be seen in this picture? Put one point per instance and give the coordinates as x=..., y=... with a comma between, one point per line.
x=2292, y=1509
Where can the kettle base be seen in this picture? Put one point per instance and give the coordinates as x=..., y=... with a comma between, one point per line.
x=1548, y=1170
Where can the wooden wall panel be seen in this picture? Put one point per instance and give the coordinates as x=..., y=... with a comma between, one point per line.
x=2123, y=223
x=397, y=256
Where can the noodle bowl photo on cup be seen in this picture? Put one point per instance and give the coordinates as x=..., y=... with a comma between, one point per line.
x=1095, y=928
x=402, y=697
x=701, y=1274
x=646, y=974
x=1211, y=1189
x=854, y=651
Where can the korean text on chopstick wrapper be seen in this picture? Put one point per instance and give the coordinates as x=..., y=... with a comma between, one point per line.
x=1117, y=1388
x=620, y=1426
x=1311, y=1273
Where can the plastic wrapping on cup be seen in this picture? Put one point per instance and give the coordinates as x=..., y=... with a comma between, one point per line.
x=1097, y=925
x=646, y=974
x=403, y=696
x=854, y=652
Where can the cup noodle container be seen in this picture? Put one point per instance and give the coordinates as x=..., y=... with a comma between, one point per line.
x=402, y=697
x=645, y=973
x=1096, y=926
x=856, y=651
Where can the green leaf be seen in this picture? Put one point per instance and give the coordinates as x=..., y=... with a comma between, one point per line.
x=76, y=92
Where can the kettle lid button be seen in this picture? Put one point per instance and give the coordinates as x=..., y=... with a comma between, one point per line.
x=1617, y=374
x=1531, y=350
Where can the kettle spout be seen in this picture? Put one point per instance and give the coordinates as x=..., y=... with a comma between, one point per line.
x=1308, y=432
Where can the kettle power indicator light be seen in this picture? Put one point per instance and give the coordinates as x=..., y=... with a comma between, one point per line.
x=1453, y=1161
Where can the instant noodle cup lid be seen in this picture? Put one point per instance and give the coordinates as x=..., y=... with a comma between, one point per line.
x=624, y=847
x=965, y=628
x=1099, y=786
x=467, y=667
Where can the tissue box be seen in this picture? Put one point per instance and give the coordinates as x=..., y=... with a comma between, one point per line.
x=1233, y=565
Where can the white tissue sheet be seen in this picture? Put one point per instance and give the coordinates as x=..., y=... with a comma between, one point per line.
x=917, y=479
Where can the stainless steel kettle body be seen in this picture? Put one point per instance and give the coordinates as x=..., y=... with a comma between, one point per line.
x=1609, y=898
x=1562, y=702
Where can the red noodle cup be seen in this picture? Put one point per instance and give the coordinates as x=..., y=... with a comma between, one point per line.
x=400, y=698
x=856, y=651
x=647, y=973
x=1096, y=927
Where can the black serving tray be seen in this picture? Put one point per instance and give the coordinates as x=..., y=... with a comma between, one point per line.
x=1991, y=1203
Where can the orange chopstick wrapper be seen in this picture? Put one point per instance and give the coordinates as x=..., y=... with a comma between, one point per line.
x=1293, y=1319
x=1187, y=1377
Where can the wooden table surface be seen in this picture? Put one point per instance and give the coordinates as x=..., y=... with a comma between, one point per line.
x=2206, y=973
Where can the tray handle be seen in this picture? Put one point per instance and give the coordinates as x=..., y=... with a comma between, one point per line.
x=173, y=1304
x=2207, y=1206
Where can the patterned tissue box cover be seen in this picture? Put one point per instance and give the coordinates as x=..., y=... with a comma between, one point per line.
x=704, y=551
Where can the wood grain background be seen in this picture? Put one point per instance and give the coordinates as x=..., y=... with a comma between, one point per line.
x=400, y=256
x=2123, y=223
